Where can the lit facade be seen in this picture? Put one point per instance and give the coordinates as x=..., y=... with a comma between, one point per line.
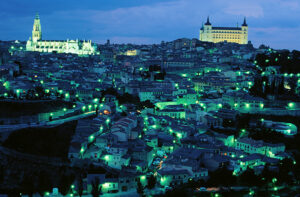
x=239, y=35
x=35, y=43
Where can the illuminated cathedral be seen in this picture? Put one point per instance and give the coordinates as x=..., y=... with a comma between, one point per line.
x=239, y=35
x=35, y=43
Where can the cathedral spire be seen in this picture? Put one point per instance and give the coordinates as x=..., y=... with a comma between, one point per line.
x=207, y=22
x=36, y=30
x=244, y=24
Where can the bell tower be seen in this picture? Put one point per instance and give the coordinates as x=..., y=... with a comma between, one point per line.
x=37, y=30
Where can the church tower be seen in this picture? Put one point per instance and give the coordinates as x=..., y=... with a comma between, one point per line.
x=36, y=31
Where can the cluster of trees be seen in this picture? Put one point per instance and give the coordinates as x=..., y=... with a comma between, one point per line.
x=127, y=98
x=155, y=70
x=262, y=88
x=39, y=180
x=223, y=177
x=288, y=61
x=27, y=108
x=51, y=142
x=151, y=184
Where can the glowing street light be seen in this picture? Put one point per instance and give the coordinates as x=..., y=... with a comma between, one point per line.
x=91, y=138
x=106, y=157
x=261, y=105
x=105, y=185
x=143, y=177
x=291, y=105
x=179, y=135
x=81, y=150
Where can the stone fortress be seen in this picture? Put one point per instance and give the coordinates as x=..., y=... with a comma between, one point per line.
x=239, y=35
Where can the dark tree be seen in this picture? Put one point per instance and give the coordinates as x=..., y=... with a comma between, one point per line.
x=140, y=188
x=44, y=182
x=80, y=185
x=40, y=91
x=123, y=113
x=249, y=178
x=151, y=181
x=285, y=171
x=96, y=187
x=221, y=177
x=65, y=183
x=27, y=185
x=1, y=174
x=281, y=89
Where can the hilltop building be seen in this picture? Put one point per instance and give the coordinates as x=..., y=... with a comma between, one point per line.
x=59, y=46
x=239, y=35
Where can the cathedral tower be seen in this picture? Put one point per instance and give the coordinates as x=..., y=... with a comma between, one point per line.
x=36, y=31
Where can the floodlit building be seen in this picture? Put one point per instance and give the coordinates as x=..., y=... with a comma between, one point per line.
x=251, y=146
x=35, y=43
x=281, y=127
x=239, y=35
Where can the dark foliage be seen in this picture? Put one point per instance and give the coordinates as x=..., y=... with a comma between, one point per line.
x=221, y=177
x=151, y=181
x=51, y=142
x=12, y=108
x=288, y=61
x=248, y=178
x=96, y=188
x=140, y=188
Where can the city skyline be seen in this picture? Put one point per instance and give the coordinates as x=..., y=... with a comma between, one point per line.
x=149, y=98
x=272, y=23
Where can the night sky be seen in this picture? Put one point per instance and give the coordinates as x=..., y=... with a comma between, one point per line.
x=272, y=22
